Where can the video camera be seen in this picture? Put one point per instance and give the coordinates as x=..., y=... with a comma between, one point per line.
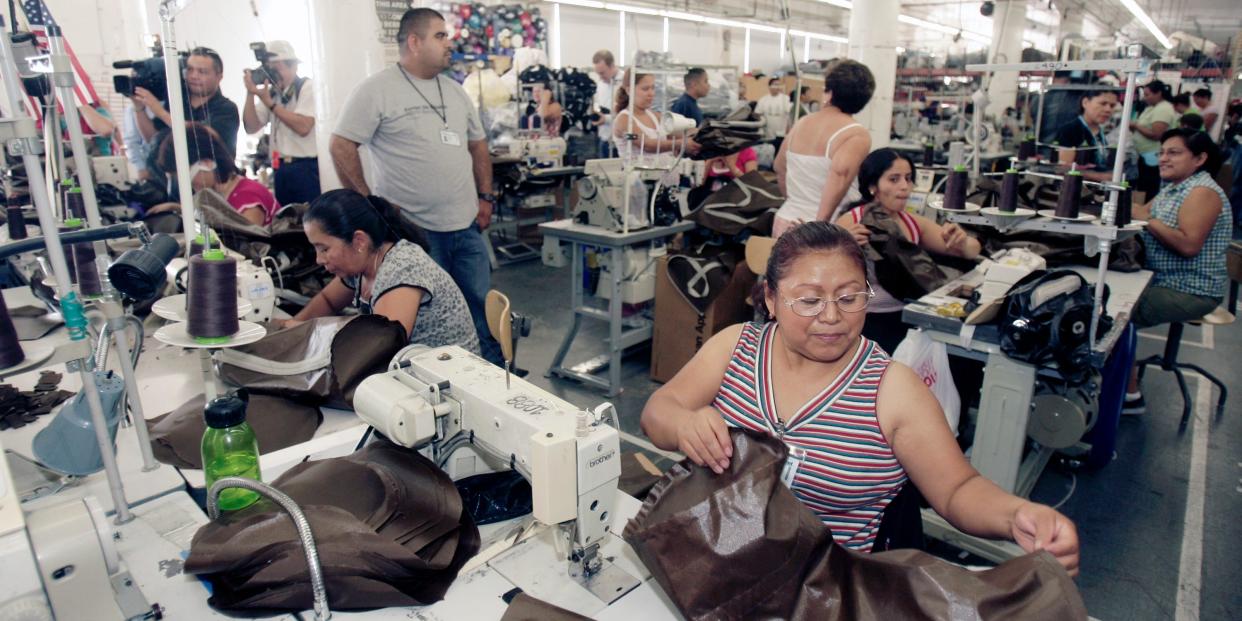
x=262, y=75
x=147, y=73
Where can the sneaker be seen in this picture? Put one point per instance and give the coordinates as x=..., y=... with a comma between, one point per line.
x=1134, y=405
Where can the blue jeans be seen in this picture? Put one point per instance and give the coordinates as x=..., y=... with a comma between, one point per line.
x=463, y=254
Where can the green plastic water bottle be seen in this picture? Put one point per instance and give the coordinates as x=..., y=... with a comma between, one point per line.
x=230, y=449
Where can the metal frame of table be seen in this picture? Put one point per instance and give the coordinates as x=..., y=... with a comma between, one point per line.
x=579, y=236
x=1005, y=400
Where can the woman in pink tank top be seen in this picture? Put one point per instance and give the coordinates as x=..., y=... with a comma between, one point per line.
x=885, y=180
x=857, y=424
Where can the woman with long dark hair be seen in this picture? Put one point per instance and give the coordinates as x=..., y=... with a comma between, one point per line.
x=212, y=167
x=381, y=267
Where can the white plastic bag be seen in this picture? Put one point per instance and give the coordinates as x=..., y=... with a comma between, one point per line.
x=930, y=361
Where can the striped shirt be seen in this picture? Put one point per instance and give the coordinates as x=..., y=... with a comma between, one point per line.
x=1203, y=274
x=847, y=473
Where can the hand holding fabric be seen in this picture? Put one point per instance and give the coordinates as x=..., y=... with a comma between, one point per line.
x=1040, y=527
x=703, y=436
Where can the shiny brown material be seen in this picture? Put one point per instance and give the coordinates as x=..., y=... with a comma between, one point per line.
x=389, y=526
x=339, y=337
x=526, y=608
x=176, y=437
x=903, y=268
x=740, y=545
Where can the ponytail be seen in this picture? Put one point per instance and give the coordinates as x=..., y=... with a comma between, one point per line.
x=342, y=212
x=623, y=92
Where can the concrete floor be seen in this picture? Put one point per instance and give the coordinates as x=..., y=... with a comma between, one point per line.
x=1157, y=525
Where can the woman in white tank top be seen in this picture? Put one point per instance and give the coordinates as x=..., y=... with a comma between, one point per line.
x=649, y=138
x=819, y=160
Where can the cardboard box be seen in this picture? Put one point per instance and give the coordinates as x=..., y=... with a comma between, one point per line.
x=680, y=330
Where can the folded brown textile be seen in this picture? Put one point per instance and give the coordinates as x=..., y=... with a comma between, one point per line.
x=340, y=337
x=389, y=526
x=176, y=437
x=740, y=545
x=903, y=268
x=526, y=608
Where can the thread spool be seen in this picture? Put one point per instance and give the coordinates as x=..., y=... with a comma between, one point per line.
x=16, y=220
x=11, y=353
x=1071, y=195
x=955, y=189
x=1125, y=204
x=87, y=270
x=929, y=154
x=1084, y=155
x=198, y=244
x=68, y=226
x=1009, y=191
x=212, y=298
x=75, y=203
x=1026, y=150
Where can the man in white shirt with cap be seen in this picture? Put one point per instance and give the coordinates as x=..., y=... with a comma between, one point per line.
x=287, y=101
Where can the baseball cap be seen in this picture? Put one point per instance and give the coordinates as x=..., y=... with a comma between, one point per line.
x=280, y=50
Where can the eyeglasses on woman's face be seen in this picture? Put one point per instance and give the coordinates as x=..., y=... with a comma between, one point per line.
x=809, y=306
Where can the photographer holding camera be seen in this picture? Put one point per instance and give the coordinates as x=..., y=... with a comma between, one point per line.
x=288, y=102
x=202, y=71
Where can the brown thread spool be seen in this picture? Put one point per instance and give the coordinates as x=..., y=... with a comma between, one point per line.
x=1071, y=195
x=16, y=220
x=11, y=353
x=212, y=298
x=70, y=225
x=929, y=154
x=1026, y=150
x=1125, y=204
x=955, y=189
x=87, y=270
x=1009, y=191
x=75, y=204
x=1084, y=155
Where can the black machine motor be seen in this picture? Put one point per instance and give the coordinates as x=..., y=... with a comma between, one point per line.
x=1047, y=320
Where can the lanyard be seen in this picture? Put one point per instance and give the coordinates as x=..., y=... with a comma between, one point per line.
x=442, y=112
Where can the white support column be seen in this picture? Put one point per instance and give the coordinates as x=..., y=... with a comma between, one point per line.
x=873, y=42
x=344, y=29
x=1008, y=25
x=1070, y=27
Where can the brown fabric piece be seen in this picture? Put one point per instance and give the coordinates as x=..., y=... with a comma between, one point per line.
x=350, y=364
x=176, y=437
x=748, y=202
x=740, y=545
x=254, y=560
x=527, y=608
x=903, y=268
x=638, y=475
x=33, y=322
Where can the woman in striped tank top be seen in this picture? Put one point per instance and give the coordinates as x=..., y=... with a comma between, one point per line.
x=855, y=438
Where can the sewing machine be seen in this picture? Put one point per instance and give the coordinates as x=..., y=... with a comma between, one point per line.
x=534, y=150
x=602, y=196
x=443, y=399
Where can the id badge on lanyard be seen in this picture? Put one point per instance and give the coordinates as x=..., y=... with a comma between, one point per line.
x=793, y=463
x=450, y=137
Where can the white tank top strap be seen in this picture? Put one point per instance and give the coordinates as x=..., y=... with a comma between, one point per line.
x=857, y=213
x=833, y=137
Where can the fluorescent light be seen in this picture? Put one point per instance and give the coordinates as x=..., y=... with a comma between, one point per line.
x=821, y=37
x=845, y=4
x=698, y=19
x=806, y=49
x=783, y=50
x=627, y=8
x=746, y=53
x=621, y=16
x=556, y=36
x=922, y=23
x=1145, y=19
x=589, y=4
x=665, y=35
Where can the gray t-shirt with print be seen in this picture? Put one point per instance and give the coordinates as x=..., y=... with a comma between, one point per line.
x=417, y=132
x=443, y=317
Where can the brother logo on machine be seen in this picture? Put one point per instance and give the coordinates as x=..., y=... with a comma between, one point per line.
x=523, y=403
x=601, y=459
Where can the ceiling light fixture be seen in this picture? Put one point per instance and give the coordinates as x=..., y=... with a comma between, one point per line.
x=1146, y=20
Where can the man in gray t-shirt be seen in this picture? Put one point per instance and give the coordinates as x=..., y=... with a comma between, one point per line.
x=429, y=157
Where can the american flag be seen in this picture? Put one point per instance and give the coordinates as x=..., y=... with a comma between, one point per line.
x=39, y=18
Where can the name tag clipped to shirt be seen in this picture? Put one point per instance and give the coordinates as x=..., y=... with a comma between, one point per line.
x=793, y=462
x=450, y=138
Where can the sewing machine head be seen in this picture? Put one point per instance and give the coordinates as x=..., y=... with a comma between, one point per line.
x=602, y=191
x=444, y=398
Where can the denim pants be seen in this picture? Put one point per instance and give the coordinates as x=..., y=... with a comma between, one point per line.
x=464, y=256
x=297, y=181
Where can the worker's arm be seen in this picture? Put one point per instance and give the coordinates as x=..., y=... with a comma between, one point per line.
x=1195, y=219
x=250, y=112
x=99, y=124
x=679, y=416
x=400, y=305
x=846, y=158
x=301, y=124
x=949, y=239
x=482, y=164
x=253, y=214
x=779, y=164
x=146, y=126
x=328, y=302
x=348, y=164
x=920, y=438
x=152, y=103
x=1153, y=131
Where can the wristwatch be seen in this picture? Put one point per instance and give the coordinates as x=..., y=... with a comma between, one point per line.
x=491, y=198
